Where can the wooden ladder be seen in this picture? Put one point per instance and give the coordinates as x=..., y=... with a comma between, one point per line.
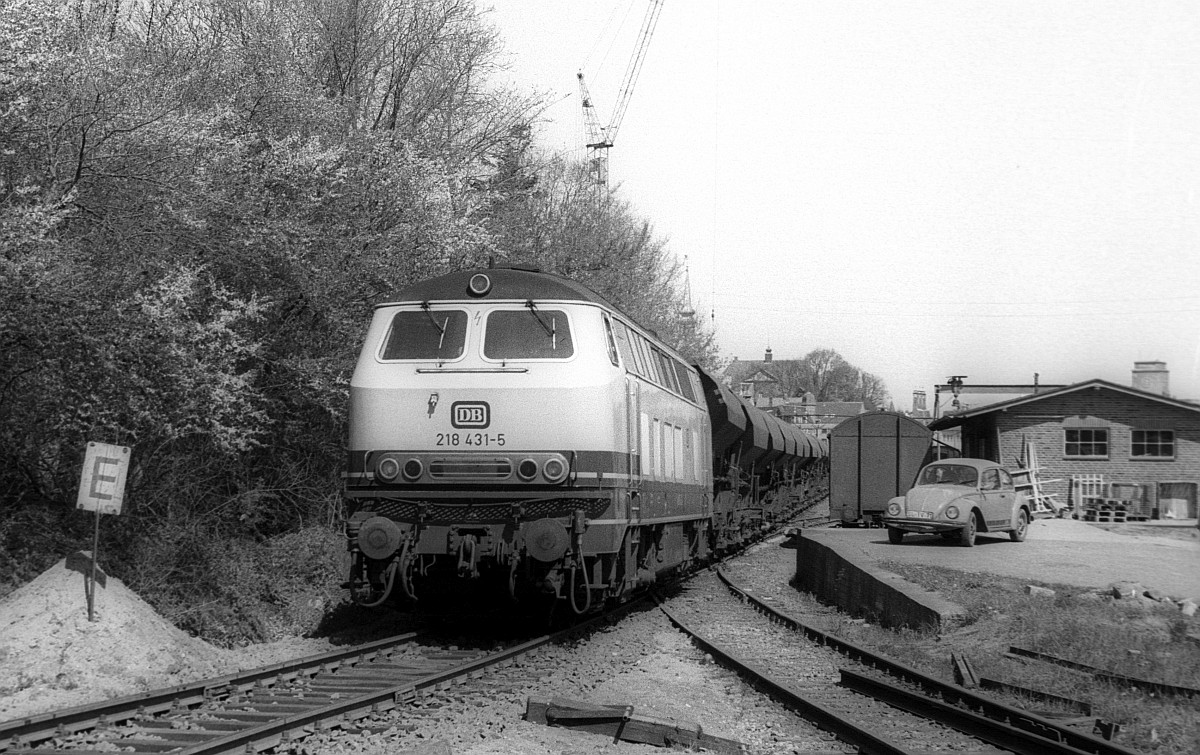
x=1027, y=479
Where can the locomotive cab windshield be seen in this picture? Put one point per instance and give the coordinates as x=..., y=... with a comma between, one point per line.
x=426, y=334
x=533, y=333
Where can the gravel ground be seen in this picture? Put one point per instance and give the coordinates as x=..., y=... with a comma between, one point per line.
x=643, y=661
x=52, y=657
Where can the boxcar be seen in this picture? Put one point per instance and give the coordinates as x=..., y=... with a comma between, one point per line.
x=873, y=457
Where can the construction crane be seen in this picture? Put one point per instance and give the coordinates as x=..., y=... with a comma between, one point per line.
x=601, y=138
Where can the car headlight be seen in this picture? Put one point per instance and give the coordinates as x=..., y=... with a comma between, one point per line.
x=951, y=512
x=893, y=509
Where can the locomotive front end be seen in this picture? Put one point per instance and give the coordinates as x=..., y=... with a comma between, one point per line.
x=487, y=438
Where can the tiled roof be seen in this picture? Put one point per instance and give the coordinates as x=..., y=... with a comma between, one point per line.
x=957, y=418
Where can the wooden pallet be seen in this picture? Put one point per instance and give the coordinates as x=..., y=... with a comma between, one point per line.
x=1106, y=516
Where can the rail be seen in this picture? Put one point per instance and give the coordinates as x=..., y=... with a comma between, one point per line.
x=1053, y=736
x=283, y=702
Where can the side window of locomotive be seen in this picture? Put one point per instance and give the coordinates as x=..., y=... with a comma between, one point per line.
x=628, y=353
x=656, y=368
x=668, y=372
x=612, y=342
x=685, y=380
x=426, y=334
x=530, y=333
x=649, y=370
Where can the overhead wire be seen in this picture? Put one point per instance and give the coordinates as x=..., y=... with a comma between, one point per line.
x=955, y=311
x=976, y=303
x=611, y=41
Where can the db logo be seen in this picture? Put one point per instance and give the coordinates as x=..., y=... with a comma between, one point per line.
x=470, y=414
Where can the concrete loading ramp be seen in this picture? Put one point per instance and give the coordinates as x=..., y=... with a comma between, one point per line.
x=841, y=566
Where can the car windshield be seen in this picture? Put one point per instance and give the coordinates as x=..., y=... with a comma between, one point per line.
x=948, y=474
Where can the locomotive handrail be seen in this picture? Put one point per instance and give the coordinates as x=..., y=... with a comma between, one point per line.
x=443, y=370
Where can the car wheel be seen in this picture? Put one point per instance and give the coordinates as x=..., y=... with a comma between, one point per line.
x=895, y=536
x=966, y=536
x=1017, y=535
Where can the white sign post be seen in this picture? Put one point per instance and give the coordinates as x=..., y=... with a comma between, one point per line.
x=102, y=490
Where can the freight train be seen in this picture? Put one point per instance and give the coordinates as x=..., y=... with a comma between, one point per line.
x=511, y=428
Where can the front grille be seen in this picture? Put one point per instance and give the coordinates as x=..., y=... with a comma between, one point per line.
x=470, y=468
x=458, y=513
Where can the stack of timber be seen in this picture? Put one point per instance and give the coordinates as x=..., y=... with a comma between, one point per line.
x=1114, y=502
x=1106, y=511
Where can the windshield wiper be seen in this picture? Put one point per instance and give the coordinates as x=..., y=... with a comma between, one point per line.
x=441, y=328
x=551, y=330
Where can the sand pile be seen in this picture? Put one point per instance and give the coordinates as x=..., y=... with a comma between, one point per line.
x=52, y=657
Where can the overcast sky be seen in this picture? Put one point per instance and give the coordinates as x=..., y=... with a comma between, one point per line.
x=989, y=189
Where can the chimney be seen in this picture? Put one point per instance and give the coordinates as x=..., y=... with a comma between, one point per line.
x=918, y=404
x=767, y=356
x=1151, y=377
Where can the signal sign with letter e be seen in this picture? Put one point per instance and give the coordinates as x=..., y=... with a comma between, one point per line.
x=470, y=414
x=102, y=484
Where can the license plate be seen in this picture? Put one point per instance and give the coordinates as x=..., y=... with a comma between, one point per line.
x=920, y=515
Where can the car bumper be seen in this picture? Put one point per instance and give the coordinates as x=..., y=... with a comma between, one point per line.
x=926, y=526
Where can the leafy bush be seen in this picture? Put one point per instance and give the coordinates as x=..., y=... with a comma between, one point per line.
x=199, y=206
x=233, y=591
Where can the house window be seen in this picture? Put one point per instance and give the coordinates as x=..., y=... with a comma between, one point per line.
x=1088, y=442
x=1153, y=444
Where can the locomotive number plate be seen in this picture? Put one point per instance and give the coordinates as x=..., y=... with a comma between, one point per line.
x=470, y=439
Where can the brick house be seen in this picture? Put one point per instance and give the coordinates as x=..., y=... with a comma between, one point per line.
x=754, y=380
x=1142, y=443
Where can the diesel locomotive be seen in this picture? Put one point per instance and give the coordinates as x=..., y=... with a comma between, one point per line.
x=512, y=429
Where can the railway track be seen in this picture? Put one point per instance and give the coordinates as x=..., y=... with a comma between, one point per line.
x=263, y=708
x=867, y=700
x=366, y=687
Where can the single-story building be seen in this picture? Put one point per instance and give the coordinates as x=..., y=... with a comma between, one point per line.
x=1095, y=438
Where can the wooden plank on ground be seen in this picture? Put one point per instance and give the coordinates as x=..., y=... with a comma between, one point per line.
x=620, y=723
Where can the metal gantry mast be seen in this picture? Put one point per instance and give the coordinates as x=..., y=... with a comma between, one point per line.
x=601, y=138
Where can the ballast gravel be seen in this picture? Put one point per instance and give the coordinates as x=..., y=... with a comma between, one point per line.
x=55, y=658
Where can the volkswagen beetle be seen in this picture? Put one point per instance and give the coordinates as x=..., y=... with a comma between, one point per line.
x=958, y=498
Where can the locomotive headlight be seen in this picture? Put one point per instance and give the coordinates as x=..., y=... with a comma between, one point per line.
x=387, y=469
x=893, y=509
x=479, y=285
x=554, y=470
x=951, y=512
x=527, y=469
x=413, y=469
